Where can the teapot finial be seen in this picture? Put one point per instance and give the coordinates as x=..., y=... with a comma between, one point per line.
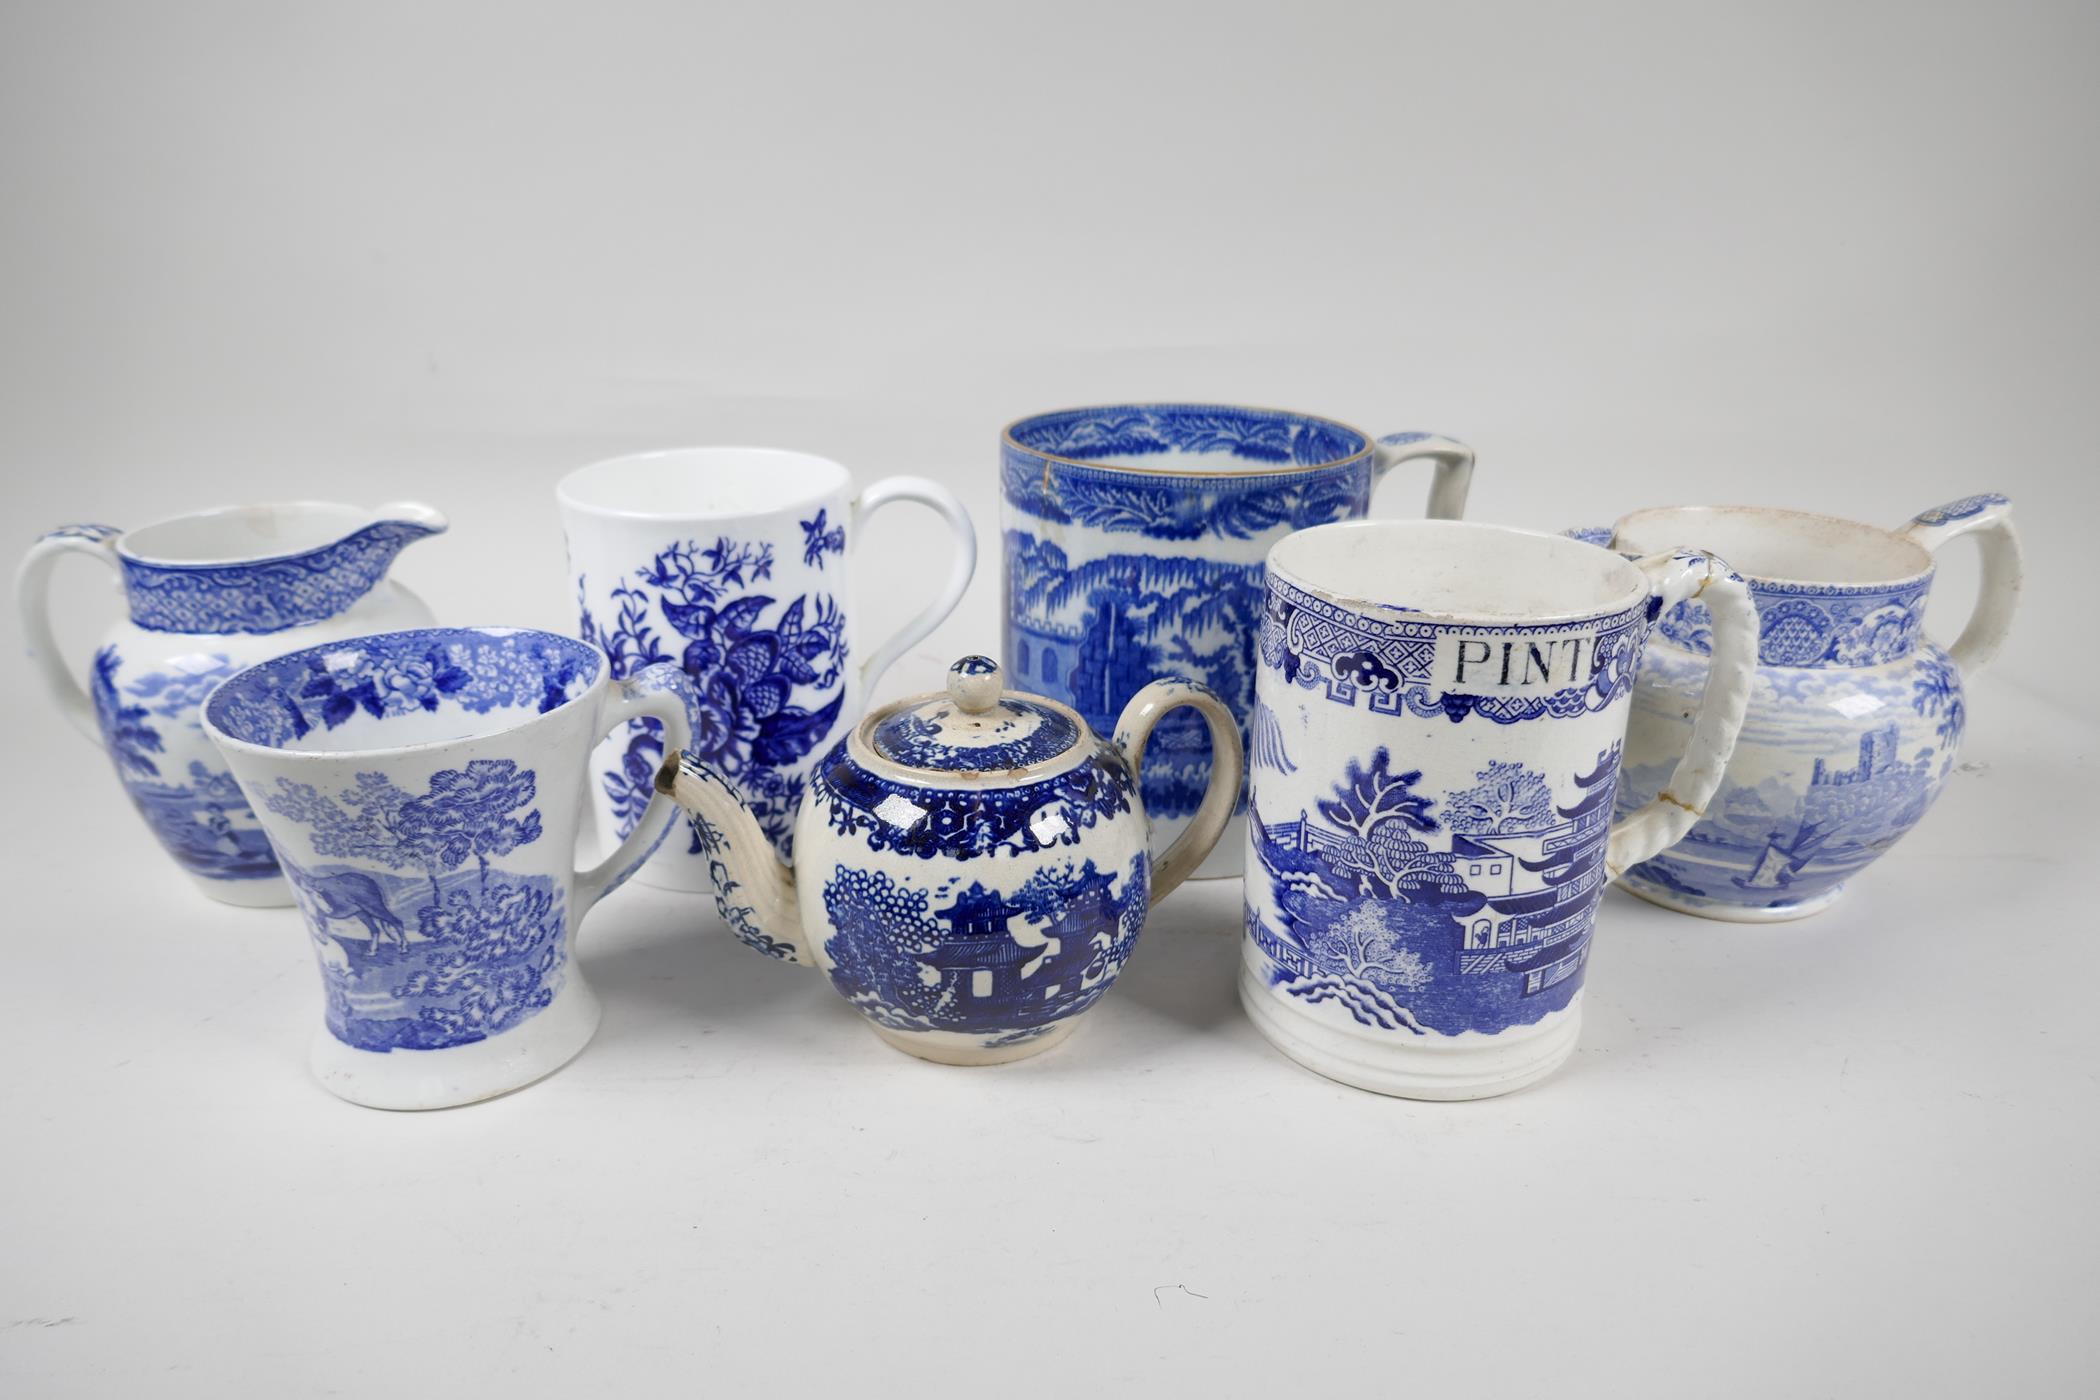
x=974, y=684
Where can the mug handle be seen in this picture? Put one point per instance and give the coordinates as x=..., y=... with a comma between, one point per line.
x=661, y=692
x=1454, y=468
x=1663, y=822
x=1989, y=518
x=1134, y=729
x=33, y=598
x=930, y=493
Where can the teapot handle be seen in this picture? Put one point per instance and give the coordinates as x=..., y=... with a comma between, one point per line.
x=1454, y=468
x=33, y=597
x=1134, y=729
x=1989, y=518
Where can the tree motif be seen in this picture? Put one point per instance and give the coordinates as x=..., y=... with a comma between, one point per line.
x=473, y=811
x=1369, y=798
x=1505, y=798
x=132, y=741
x=1366, y=943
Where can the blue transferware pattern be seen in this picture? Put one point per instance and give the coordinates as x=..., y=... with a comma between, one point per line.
x=1853, y=730
x=196, y=810
x=267, y=595
x=1433, y=783
x=975, y=960
x=423, y=791
x=416, y=672
x=1134, y=538
x=442, y=947
x=972, y=867
x=1387, y=662
x=1466, y=912
x=189, y=625
x=771, y=679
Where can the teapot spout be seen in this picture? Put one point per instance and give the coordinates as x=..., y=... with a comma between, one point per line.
x=754, y=889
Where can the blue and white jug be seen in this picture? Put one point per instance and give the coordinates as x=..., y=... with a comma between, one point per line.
x=209, y=594
x=1856, y=716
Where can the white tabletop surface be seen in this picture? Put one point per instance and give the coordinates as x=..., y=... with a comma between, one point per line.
x=1858, y=1155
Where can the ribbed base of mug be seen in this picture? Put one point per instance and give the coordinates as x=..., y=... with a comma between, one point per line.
x=1444, y=1068
x=1731, y=913
x=461, y=1074
x=271, y=893
x=951, y=1048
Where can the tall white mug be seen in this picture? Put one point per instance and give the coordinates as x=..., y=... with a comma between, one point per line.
x=733, y=562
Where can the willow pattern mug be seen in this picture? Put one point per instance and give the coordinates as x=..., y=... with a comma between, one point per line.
x=733, y=562
x=1439, y=716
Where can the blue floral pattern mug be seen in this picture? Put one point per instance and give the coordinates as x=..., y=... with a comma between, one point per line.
x=732, y=562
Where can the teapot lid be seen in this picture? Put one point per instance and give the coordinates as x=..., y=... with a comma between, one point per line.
x=976, y=726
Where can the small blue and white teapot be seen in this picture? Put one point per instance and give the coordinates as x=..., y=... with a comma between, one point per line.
x=970, y=867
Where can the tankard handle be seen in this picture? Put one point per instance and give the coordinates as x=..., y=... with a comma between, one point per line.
x=929, y=493
x=1664, y=821
x=1454, y=468
x=1989, y=518
x=1134, y=729
x=662, y=692
x=33, y=598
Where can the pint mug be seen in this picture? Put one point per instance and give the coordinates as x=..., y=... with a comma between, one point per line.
x=1134, y=540
x=1440, y=710
x=421, y=791
x=733, y=562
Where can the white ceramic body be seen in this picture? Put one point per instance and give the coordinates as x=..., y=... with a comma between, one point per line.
x=426, y=814
x=236, y=570
x=1856, y=718
x=1431, y=782
x=1134, y=537
x=736, y=563
x=971, y=918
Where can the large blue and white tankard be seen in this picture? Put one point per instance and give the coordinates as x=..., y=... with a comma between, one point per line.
x=1440, y=709
x=1134, y=538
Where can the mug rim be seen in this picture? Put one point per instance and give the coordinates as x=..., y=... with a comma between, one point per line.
x=218, y=734
x=1793, y=581
x=1634, y=594
x=1007, y=439
x=565, y=490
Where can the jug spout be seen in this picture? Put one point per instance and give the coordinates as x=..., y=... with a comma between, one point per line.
x=754, y=888
x=409, y=521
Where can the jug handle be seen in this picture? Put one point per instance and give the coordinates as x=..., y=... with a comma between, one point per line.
x=1989, y=518
x=662, y=692
x=1454, y=468
x=1732, y=671
x=33, y=598
x=1134, y=729
x=929, y=493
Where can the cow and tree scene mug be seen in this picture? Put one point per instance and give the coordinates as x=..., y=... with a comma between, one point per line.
x=733, y=563
x=1134, y=539
x=422, y=792
x=1440, y=713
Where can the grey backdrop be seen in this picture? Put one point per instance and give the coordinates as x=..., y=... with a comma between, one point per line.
x=1836, y=257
